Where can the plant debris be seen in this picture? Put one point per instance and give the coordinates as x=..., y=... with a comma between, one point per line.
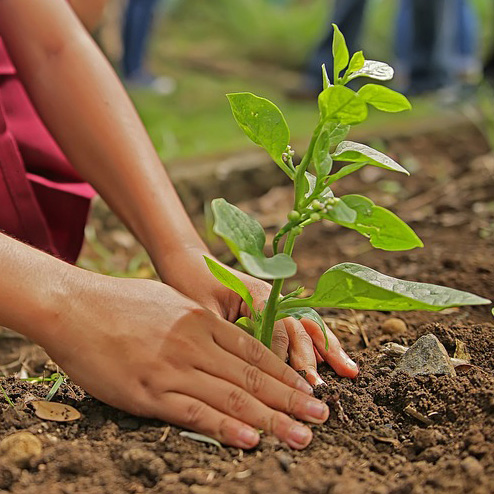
x=56, y=412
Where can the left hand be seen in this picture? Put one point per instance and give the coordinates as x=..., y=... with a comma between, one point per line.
x=302, y=342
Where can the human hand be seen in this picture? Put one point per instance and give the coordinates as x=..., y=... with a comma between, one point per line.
x=301, y=341
x=143, y=347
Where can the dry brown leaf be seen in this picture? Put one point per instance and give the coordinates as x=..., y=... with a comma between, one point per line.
x=57, y=412
x=461, y=351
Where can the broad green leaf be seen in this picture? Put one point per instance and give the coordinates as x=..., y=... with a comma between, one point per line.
x=384, y=229
x=245, y=237
x=383, y=98
x=228, y=279
x=340, y=213
x=311, y=183
x=238, y=229
x=263, y=123
x=340, y=52
x=321, y=156
x=356, y=63
x=337, y=133
x=344, y=171
x=249, y=326
x=268, y=268
x=342, y=105
x=360, y=153
x=352, y=286
x=325, y=78
x=379, y=71
x=305, y=313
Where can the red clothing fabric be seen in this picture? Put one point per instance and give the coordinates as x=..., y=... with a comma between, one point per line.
x=43, y=200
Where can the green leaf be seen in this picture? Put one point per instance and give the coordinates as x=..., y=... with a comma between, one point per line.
x=384, y=229
x=340, y=213
x=344, y=171
x=263, y=123
x=337, y=133
x=325, y=78
x=360, y=153
x=352, y=286
x=246, y=238
x=272, y=268
x=228, y=279
x=356, y=63
x=311, y=183
x=340, y=52
x=379, y=71
x=384, y=99
x=249, y=326
x=305, y=313
x=238, y=229
x=321, y=156
x=342, y=105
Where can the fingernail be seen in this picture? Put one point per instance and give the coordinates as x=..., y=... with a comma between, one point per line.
x=304, y=386
x=316, y=409
x=299, y=436
x=348, y=361
x=314, y=378
x=319, y=380
x=248, y=438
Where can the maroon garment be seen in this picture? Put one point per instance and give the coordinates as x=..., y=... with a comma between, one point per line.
x=43, y=200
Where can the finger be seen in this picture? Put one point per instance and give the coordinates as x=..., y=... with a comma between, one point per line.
x=262, y=387
x=280, y=341
x=238, y=343
x=335, y=356
x=196, y=415
x=301, y=351
x=319, y=359
x=236, y=402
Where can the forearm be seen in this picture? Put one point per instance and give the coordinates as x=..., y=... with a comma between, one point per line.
x=88, y=112
x=34, y=289
x=89, y=12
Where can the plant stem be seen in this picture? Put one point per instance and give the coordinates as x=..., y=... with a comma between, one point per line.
x=269, y=313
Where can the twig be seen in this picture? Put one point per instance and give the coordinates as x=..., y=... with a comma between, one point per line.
x=363, y=331
x=409, y=410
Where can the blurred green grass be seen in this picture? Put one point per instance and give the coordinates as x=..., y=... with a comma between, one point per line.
x=220, y=46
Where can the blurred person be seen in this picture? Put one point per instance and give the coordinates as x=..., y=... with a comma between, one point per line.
x=137, y=24
x=163, y=350
x=436, y=45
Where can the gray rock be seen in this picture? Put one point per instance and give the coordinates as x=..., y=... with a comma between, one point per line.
x=427, y=356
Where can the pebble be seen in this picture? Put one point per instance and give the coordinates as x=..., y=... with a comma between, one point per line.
x=427, y=356
x=19, y=448
x=393, y=326
x=285, y=460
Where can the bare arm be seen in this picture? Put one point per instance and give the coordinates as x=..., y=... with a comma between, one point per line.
x=89, y=12
x=85, y=107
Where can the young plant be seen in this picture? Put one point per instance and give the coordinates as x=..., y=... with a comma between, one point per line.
x=347, y=285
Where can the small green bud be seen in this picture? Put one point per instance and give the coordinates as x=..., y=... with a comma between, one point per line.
x=315, y=217
x=297, y=230
x=316, y=205
x=331, y=200
x=293, y=215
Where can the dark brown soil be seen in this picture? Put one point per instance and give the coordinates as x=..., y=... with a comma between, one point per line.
x=372, y=442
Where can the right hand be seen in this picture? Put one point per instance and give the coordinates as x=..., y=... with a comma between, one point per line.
x=145, y=348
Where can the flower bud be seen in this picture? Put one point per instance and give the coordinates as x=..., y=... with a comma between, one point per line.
x=316, y=205
x=293, y=215
x=315, y=217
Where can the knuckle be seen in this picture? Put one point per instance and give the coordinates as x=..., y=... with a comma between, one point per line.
x=276, y=423
x=292, y=401
x=255, y=351
x=194, y=414
x=280, y=338
x=237, y=401
x=254, y=379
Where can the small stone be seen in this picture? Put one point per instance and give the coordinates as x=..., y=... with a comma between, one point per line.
x=19, y=448
x=393, y=326
x=285, y=460
x=472, y=466
x=8, y=475
x=427, y=356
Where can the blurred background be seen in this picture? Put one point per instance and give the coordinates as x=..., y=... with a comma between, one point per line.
x=178, y=59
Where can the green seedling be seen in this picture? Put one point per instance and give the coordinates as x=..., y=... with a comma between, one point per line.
x=7, y=397
x=347, y=285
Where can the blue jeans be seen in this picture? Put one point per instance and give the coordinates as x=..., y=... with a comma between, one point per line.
x=435, y=42
x=136, y=29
